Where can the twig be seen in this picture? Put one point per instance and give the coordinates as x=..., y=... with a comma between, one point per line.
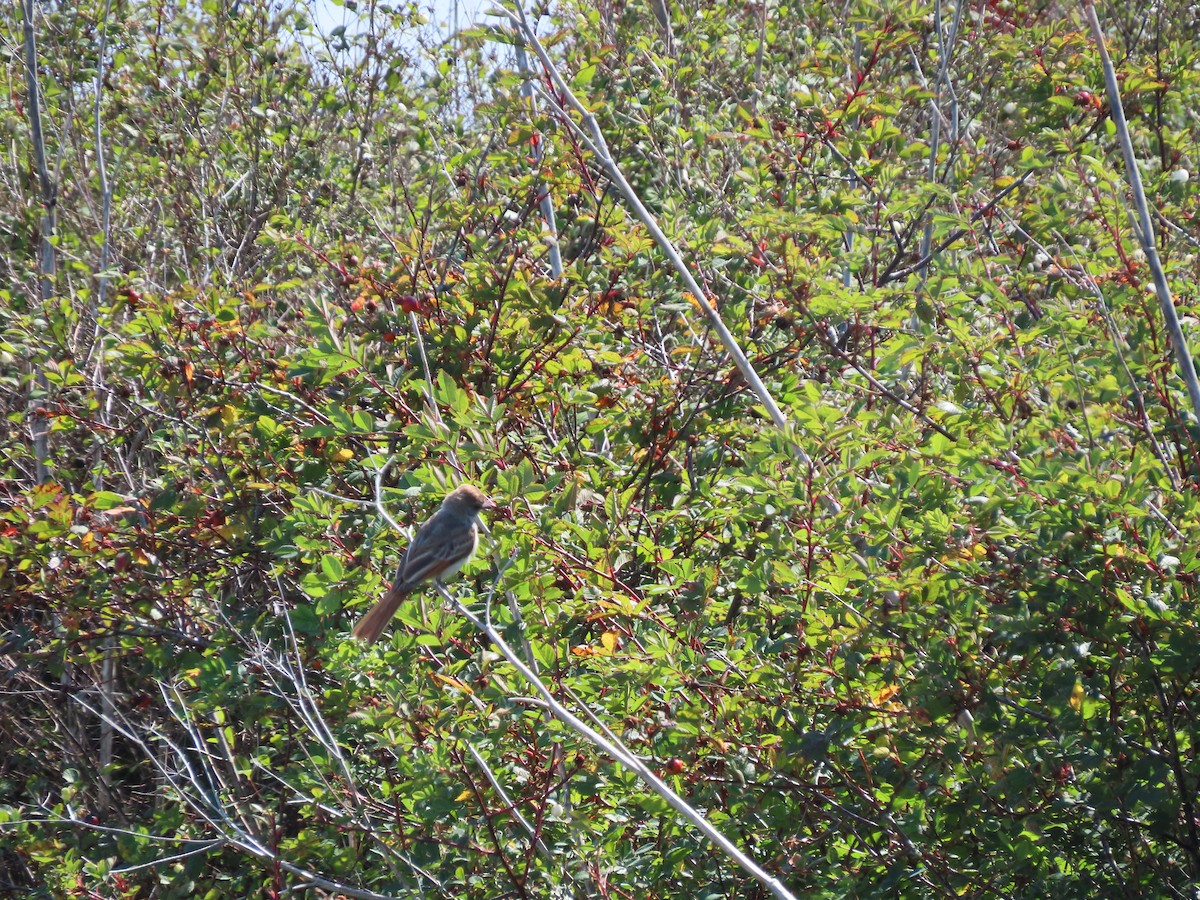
x=39, y=423
x=832, y=345
x=544, y=201
x=890, y=275
x=508, y=803
x=593, y=139
x=613, y=747
x=204, y=799
x=1183, y=358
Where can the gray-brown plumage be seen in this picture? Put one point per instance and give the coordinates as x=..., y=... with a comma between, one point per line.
x=441, y=547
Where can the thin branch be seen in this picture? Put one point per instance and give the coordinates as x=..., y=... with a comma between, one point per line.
x=202, y=787
x=593, y=139
x=895, y=275
x=1183, y=358
x=539, y=151
x=508, y=803
x=39, y=422
x=108, y=677
x=97, y=302
x=614, y=748
x=831, y=345
x=942, y=82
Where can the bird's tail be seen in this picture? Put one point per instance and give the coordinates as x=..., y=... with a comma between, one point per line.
x=371, y=626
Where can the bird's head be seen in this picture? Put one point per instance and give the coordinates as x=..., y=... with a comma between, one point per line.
x=468, y=499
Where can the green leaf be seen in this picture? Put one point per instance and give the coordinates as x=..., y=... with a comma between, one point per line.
x=332, y=567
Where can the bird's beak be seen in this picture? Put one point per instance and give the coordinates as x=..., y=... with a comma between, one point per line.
x=489, y=503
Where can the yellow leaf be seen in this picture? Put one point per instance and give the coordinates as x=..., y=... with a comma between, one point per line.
x=344, y=455
x=1077, y=696
x=450, y=682
x=229, y=414
x=465, y=795
x=887, y=694
x=609, y=640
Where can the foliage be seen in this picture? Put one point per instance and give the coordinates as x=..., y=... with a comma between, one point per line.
x=953, y=656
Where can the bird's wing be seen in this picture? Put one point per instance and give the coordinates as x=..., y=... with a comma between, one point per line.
x=435, y=552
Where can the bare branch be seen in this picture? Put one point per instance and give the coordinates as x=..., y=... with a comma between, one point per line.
x=614, y=748
x=39, y=423
x=1183, y=357
x=593, y=139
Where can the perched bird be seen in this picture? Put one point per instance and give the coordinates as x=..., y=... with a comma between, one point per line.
x=441, y=547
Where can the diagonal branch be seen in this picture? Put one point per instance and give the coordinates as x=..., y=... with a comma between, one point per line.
x=592, y=137
x=1145, y=230
x=607, y=743
x=893, y=275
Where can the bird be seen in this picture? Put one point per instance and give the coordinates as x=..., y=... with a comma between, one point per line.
x=441, y=547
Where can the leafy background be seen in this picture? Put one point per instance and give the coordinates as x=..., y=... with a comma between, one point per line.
x=955, y=655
